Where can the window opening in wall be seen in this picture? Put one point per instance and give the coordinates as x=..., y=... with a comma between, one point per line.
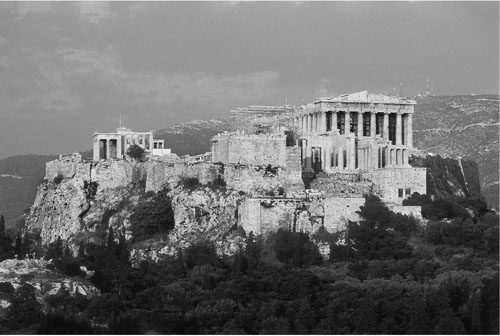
x=379, y=123
x=366, y=124
x=341, y=122
x=408, y=191
x=316, y=158
x=403, y=130
x=392, y=128
x=400, y=192
x=328, y=121
x=155, y=145
x=354, y=123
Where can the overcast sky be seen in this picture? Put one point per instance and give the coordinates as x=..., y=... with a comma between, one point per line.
x=68, y=69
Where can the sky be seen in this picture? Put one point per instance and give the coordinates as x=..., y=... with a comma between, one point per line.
x=68, y=69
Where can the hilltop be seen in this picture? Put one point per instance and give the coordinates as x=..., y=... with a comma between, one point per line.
x=449, y=126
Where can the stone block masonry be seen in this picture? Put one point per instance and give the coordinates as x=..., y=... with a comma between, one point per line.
x=396, y=184
x=255, y=149
x=264, y=215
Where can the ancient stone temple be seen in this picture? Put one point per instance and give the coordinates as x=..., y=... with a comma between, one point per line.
x=355, y=131
x=347, y=139
x=114, y=145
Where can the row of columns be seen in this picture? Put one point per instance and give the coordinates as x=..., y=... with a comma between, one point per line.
x=331, y=156
x=317, y=122
x=345, y=158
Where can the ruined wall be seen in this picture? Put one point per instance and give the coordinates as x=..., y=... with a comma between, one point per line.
x=264, y=215
x=65, y=166
x=249, y=148
x=339, y=210
x=293, y=181
x=390, y=180
x=254, y=179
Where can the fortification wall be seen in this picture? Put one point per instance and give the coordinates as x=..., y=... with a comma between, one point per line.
x=254, y=179
x=65, y=166
x=392, y=181
x=264, y=215
x=339, y=210
x=159, y=173
x=257, y=149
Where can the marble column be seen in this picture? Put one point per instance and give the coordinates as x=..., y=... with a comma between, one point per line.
x=409, y=133
x=323, y=122
x=386, y=126
x=328, y=158
x=352, y=153
x=398, y=129
x=340, y=158
x=308, y=158
x=107, y=150
x=373, y=125
x=334, y=120
x=347, y=124
x=360, y=124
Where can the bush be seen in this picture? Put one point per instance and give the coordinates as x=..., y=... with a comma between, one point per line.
x=190, y=183
x=151, y=217
x=58, y=178
x=135, y=152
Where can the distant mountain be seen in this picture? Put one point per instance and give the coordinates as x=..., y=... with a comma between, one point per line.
x=466, y=126
x=192, y=137
x=19, y=177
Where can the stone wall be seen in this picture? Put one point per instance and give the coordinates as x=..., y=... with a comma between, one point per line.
x=389, y=181
x=254, y=149
x=338, y=210
x=65, y=166
x=264, y=215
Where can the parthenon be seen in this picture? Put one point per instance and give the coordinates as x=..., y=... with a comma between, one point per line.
x=355, y=131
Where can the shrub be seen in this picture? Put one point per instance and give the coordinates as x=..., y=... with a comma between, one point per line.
x=152, y=217
x=190, y=183
x=58, y=178
x=135, y=152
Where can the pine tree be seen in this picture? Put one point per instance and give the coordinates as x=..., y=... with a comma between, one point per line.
x=2, y=225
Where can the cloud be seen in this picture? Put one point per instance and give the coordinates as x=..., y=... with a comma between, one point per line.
x=94, y=11
x=24, y=8
x=170, y=90
x=219, y=92
x=3, y=41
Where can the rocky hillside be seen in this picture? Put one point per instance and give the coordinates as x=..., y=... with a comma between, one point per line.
x=466, y=126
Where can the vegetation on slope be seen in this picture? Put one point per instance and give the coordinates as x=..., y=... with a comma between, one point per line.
x=385, y=275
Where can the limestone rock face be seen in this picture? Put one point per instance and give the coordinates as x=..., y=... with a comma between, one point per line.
x=72, y=211
x=57, y=209
x=200, y=215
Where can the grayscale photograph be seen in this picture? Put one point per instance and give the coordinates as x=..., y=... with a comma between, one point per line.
x=249, y=167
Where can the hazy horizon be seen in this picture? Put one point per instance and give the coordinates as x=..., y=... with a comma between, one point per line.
x=68, y=69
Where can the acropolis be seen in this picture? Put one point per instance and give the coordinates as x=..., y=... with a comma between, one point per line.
x=309, y=166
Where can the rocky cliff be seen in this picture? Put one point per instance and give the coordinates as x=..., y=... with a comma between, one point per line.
x=204, y=214
x=449, y=177
x=77, y=209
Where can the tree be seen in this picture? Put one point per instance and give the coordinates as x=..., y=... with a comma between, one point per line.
x=2, y=225
x=24, y=310
x=135, y=152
